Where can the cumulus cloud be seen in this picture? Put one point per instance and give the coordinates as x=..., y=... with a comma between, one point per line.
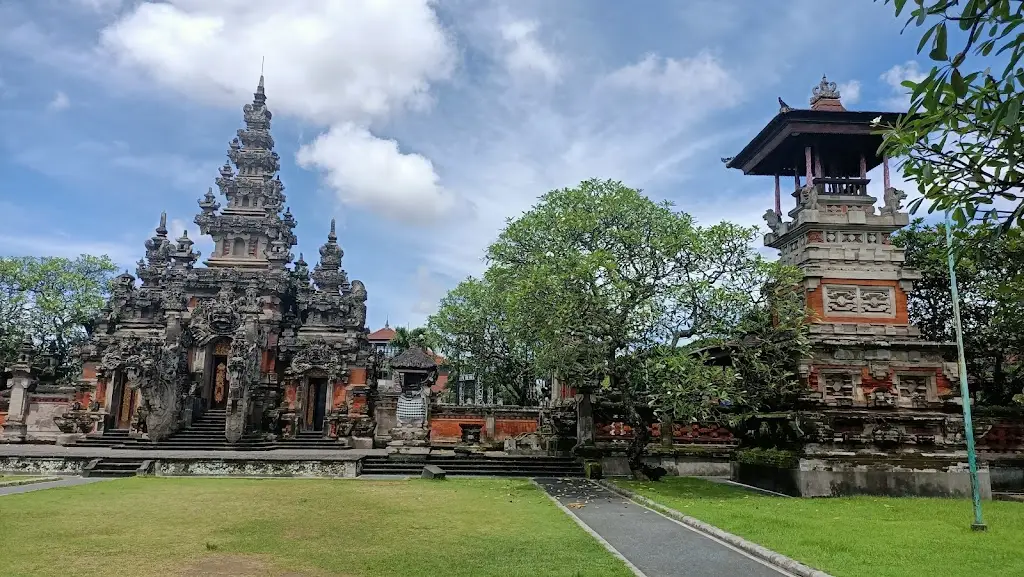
x=850, y=91
x=895, y=77
x=59, y=102
x=341, y=65
x=373, y=173
x=525, y=53
x=684, y=78
x=327, y=61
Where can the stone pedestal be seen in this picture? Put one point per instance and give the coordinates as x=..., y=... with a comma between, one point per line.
x=15, y=429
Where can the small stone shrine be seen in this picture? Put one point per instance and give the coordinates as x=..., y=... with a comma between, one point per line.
x=882, y=410
x=274, y=348
x=415, y=372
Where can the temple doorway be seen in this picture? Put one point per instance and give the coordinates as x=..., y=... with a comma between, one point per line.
x=123, y=402
x=316, y=404
x=218, y=387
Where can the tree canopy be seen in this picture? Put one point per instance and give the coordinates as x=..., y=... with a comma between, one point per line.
x=613, y=292
x=52, y=300
x=961, y=141
x=990, y=280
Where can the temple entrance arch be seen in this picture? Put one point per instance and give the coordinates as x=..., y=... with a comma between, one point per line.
x=123, y=401
x=316, y=402
x=215, y=389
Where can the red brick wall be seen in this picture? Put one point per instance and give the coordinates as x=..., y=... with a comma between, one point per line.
x=447, y=429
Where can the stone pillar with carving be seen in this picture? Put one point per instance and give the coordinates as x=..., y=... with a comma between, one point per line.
x=15, y=428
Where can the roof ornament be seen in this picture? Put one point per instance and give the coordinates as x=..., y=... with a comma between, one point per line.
x=331, y=236
x=824, y=89
x=783, y=107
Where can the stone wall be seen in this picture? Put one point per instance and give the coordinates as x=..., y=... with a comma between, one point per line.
x=44, y=465
x=42, y=409
x=892, y=477
x=255, y=467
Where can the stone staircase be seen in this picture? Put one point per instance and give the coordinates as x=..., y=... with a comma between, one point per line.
x=309, y=440
x=109, y=438
x=205, y=434
x=112, y=467
x=478, y=465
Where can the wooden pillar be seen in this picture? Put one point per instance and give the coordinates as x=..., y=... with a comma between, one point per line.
x=885, y=172
x=807, y=161
x=778, y=196
x=863, y=166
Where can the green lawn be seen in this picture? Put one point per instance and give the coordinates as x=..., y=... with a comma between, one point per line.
x=858, y=536
x=295, y=527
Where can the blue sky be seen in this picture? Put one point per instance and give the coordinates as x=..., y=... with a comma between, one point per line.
x=421, y=126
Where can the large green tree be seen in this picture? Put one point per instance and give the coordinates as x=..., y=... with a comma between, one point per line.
x=990, y=280
x=52, y=300
x=962, y=139
x=600, y=273
x=473, y=330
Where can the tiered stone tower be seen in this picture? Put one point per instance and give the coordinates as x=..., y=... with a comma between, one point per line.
x=875, y=387
x=251, y=231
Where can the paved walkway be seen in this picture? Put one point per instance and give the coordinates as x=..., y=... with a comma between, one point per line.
x=656, y=545
x=65, y=482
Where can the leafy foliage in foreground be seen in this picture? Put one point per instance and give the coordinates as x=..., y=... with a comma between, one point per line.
x=963, y=135
x=990, y=280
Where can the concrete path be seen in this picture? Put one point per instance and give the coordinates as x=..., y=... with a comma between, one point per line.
x=65, y=482
x=656, y=545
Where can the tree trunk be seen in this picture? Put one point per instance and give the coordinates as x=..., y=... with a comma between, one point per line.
x=641, y=436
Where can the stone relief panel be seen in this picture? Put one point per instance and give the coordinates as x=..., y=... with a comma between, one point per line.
x=874, y=301
x=915, y=390
x=840, y=389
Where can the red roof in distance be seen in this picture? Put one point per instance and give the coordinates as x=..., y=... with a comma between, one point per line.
x=385, y=334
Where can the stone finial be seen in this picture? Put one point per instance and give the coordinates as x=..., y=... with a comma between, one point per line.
x=825, y=96
x=161, y=230
x=783, y=107
x=331, y=236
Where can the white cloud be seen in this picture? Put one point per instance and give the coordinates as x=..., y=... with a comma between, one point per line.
x=685, y=78
x=340, y=65
x=60, y=102
x=895, y=76
x=99, y=6
x=373, y=173
x=850, y=91
x=525, y=53
x=326, y=62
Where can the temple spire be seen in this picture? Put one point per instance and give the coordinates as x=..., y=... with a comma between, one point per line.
x=331, y=236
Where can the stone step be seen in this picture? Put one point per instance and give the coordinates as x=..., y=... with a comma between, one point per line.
x=113, y=467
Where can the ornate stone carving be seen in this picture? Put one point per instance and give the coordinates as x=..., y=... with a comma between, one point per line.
x=772, y=218
x=893, y=198
x=859, y=300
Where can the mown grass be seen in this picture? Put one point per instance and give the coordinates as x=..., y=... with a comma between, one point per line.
x=858, y=536
x=159, y=526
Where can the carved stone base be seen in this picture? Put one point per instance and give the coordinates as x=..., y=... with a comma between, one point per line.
x=14, y=433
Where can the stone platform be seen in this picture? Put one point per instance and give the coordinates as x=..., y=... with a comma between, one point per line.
x=51, y=459
x=319, y=463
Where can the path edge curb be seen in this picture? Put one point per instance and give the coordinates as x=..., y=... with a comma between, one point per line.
x=763, y=553
x=33, y=481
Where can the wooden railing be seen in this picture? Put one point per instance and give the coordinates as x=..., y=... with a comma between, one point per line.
x=841, y=185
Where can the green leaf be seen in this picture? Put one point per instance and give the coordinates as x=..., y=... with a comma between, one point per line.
x=1013, y=112
x=959, y=86
x=939, y=46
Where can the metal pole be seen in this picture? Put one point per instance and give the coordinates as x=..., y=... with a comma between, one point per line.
x=972, y=462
